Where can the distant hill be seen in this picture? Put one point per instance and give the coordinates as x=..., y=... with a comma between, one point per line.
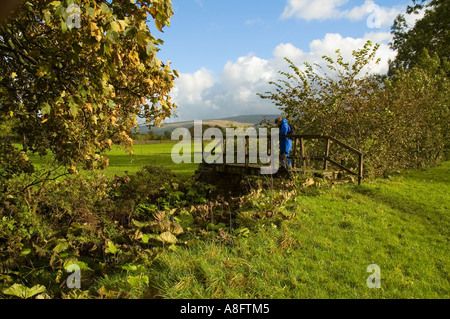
x=254, y=119
x=234, y=121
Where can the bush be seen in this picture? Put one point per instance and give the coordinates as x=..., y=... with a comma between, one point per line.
x=397, y=123
x=98, y=223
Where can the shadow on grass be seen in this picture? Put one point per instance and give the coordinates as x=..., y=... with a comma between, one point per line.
x=410, y=197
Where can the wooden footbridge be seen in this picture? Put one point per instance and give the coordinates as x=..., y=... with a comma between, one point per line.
x=303, y=161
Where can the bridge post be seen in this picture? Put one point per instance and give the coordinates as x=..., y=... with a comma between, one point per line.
x=360, y=169
x=327, y=154
x=302, y=145
x=247, y=150
x=203, y=151
x=294, y=152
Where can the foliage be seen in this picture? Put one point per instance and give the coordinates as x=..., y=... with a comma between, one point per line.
x=103, y=225
x=397, y=122
x=152, y=136
x=430, y=33
x=75, y=91
x=24, y=292
x=418, y=105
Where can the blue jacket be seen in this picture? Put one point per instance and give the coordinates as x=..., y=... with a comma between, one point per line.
x=285, y=143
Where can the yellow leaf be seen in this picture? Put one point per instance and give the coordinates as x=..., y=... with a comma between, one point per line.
x=167, y=237
x=159, y=25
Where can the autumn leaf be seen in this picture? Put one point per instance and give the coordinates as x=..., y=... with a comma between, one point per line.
x=167, y=237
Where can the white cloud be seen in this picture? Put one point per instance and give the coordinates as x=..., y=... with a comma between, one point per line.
x=233, y=91
x=333, y=41
x=312, y=10
x=375, y=15
x=248, y=69
x=191, y=87
x=288, y=50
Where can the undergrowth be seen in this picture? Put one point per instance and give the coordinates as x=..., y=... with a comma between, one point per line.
x=151, y=235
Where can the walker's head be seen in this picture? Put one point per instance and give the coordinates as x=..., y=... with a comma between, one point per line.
x=278, y=121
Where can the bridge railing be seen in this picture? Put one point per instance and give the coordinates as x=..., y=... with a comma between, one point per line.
x=299, y=153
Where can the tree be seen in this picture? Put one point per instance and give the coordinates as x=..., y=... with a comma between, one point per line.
x=75, y=74
x=397, y=122
x=432, y=33
x=168, y=135
x=317, y=99
x=418, y=102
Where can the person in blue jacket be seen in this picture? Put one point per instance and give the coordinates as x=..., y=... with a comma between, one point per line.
x=285, y=142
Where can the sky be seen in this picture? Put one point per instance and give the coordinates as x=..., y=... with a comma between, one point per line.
x=227, y=51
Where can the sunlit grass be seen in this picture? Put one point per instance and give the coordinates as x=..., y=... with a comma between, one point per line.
x=122, y=163
x=401, y=224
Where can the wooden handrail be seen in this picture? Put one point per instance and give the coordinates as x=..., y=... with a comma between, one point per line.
x=325, y=158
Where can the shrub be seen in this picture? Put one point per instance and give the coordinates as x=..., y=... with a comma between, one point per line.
x=397, y=123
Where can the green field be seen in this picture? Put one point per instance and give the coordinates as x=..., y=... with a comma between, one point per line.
x=401, y=224
x=122, y=163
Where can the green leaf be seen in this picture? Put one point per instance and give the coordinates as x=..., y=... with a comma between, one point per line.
x=73, y=109
x=45, y=108
x=130, y=31
x=24, y=292
x=145, y=238
x=137, y=280
x=62, y=246
x=185, y=219
x=90, y=11
x=105, y=8
x=111, y=249
x=63, y=25
x=139, y=224
x=150, y=48
x=25, y=251
x=112, y=36
x=142, y=38
x=81, y=264
x=111, y=104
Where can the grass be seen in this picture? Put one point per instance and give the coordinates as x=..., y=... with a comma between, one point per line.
x=401, y=224
x=122, y=163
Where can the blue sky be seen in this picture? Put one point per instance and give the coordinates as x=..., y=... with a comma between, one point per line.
x=226, y=51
